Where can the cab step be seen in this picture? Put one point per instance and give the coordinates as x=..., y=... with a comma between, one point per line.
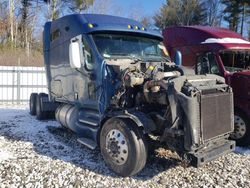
x=89, y=118
x=89, y=121
x=87, y=142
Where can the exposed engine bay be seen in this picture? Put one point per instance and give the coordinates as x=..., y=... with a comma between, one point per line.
x=180, y=106
x=142, y=82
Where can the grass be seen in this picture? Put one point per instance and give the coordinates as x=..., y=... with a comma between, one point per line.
x=12, y=57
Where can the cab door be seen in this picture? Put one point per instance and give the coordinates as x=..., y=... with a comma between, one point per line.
x=84, y=81
x=89, y=68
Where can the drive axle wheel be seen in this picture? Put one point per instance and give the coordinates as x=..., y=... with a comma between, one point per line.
x=123, y=146
x=40, y=114
x=32, y=103
x=241, y=132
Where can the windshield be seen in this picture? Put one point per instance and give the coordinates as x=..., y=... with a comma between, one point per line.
x=124, y=46
x=235, y=61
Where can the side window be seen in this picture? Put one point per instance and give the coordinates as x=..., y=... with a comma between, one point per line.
x=206, y=64
x=54, y=35
x=88, y=56
x=213, y=66
x=202, y=66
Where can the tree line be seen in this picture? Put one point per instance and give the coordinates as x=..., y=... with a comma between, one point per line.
x=234, y=14
x=20, y=19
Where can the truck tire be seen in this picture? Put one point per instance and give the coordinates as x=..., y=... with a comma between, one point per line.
x=32, y=103
x=123, y=146
x=241, y=129
x=40, y=115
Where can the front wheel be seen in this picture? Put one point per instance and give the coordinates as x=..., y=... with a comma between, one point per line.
x=241, y=132
x=123, y=146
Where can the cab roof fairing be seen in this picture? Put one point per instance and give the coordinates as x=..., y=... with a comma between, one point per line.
x=101, y=23
x=203, y=35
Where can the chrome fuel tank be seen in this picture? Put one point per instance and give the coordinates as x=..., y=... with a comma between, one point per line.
x=67, y=116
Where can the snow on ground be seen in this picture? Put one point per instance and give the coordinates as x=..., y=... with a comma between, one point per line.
x=43, y=154
x=5, y=155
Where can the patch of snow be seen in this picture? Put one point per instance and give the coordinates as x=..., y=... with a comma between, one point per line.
x=242, y=151
x=19, y=124
x=42, y=154
x=226, y=40
x=4, y=155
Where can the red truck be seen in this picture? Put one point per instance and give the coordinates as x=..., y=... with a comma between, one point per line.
x=212, y=50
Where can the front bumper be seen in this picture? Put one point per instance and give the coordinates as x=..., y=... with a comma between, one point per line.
x=208, y=154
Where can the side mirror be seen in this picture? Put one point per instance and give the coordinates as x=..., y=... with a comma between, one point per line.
x=178, y=58
x=74, y=55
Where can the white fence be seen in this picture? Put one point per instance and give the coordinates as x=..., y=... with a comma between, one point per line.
x=17, y=83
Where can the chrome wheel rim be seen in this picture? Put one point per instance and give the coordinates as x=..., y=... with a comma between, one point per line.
x=239, y=128
x=117, y=147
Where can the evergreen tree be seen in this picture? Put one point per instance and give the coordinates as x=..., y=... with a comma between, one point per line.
x=245, y=14
x=180, y=12
x=236, y=13
x=23, y=25
x=232, y=13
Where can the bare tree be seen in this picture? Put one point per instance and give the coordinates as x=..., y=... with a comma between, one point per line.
x=146, y=21
x=79, y=6
x=8, y=19
x=3, y=22
x=25, y=25
x=105, y=7
x=11, y=19
x=212, y=12
x=53, y=9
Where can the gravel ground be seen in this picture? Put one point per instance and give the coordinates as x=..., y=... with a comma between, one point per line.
x=43, y=154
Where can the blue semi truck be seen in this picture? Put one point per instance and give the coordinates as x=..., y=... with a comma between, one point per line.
x=110, y=80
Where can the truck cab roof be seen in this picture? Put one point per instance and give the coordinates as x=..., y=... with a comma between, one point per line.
x=75, y=24
x=218, y=38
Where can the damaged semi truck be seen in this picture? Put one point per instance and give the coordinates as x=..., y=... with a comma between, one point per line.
x=111, y=81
